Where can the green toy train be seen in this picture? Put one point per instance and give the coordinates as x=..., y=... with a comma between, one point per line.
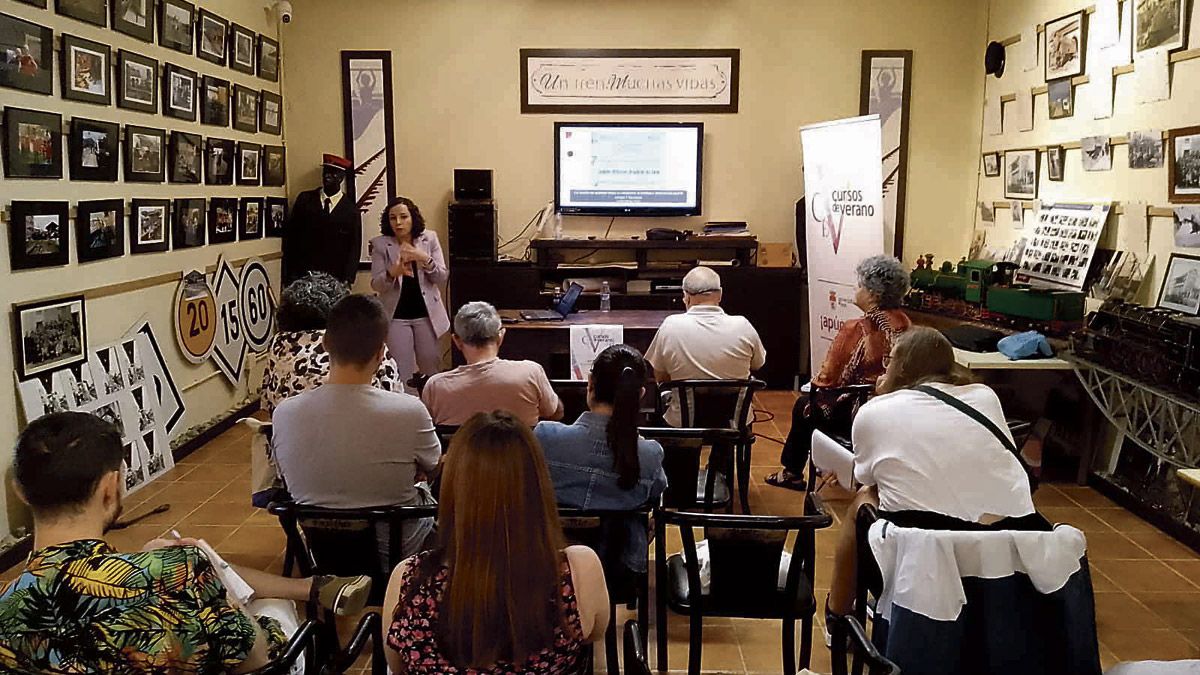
x=984, y=290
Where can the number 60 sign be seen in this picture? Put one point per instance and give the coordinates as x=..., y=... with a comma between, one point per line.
x=223, y=323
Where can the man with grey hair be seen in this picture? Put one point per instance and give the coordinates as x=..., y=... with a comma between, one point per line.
x=704, y=343
x=488, y=382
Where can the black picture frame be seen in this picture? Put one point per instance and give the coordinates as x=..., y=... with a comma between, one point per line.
x=355, y=105
x=38, y=234
x=1060, y=99
x=34, y=69
x=222, y=220
x=30, y=318
x=189, y=223
x=32, y=144
x=145, y=154
x=249, y=163
x=137, y=82
x=80, y=62
x=268, y=59
x=241, y=48
x=212, y=37
x=176, y=19
x=1190, y=264
x=1013, y=190
x=42, y=4
x=1062, y=29
x=149, y=225
x=186, y=157
x=218, y=161
x=214, y=101
x=94, y=150
x=250, y=218
x=179, y=92
x=991, y=164
x=275, y=210
x=100, y=229
x=94, y=12
x=1056, y=162
x=274, y=165
x=245, y=109
x=270, y=113
x=1183, y=165
x=134, y=18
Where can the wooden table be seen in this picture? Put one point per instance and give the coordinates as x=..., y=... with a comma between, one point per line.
x=548, y=342
x=998, y=361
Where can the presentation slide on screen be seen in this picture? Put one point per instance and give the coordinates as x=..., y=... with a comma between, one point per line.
x=627, y=167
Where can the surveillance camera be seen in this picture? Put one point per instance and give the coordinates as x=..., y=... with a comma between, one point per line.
x=283, y=9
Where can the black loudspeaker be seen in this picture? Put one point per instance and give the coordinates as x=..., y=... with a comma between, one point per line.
x=472, y=184
x=473, y=230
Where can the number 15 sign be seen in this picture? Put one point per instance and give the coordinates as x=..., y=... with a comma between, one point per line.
x=224, y=322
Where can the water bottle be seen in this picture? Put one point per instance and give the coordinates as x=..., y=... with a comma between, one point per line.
x=605, y=298
x=558, y=230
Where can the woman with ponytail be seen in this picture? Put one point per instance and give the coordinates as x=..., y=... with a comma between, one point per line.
x=600, y=462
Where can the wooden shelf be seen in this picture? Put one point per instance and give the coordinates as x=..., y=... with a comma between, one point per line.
x=633, y=244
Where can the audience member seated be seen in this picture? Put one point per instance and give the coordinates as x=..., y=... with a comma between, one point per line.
x=488, y=382
x=600, y=462
x=79, y=606
x=347, y=444
x=856, y=357
x=917, y=455
x=500, y=593
x=704, y=343
x=296, y=359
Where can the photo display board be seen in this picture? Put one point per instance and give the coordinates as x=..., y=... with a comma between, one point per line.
x=1060, y=249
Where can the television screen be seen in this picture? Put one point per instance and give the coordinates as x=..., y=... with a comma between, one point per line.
x=628, y=168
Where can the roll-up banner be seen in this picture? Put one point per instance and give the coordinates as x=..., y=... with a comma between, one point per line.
x=843, y=188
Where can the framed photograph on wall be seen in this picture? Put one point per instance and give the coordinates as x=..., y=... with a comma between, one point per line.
x=148, y=220
x=274, y=163
x=145, y=154
x=1055, y=162
x=1060, y=96
x=250, y=225
x=1181, y=285
x=93, y=150
x=50, y=334
x=175, y=25
x=32, y=144
x=137, y=82
x=212, y=33
x=245, y=109
x=218, y=161
x=179, y=92
x=38, y=234
x=991, y=164
x=1159, y=24
x=367, y=127
x=1183, y=165
x=85, y=70
x=271, y=108
x=99, y=229
x=30, y=55
x=91, y=11
x=135, y=18
x=268, y=58
x=186, y=158
x=214, y=104
x=222, y=220
x=1020, y=174
x=189, y=223
x=1146, y=149
x=241, y=48
x=885, y=89
x=249, y=163
x=1065, y=49
x=276, y=215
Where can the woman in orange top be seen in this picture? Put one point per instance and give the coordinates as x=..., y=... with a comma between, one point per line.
x=856, y=356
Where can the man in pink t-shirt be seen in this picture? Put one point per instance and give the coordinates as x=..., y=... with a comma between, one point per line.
x=488, y=382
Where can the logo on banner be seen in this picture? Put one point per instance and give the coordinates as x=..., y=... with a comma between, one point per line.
x=835, y=208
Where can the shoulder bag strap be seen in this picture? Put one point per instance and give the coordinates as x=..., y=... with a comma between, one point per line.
x=983, y=420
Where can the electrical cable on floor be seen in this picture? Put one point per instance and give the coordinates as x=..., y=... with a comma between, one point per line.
x=767, y=417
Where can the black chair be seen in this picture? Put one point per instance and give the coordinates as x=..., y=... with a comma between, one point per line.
x=445, y=434
x=720, y=404
x=635, y=650
x=573, y=394
x=864, y=651
x=745, y=557
x=302, y=643
x=369, y=629
x=688, y=486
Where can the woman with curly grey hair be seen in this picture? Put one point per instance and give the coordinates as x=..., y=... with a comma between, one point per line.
x=855, y=357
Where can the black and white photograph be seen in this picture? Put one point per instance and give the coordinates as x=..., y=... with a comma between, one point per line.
x=1020, y=174
x=1183, y=165
x=272, y=113
x=1096, y=152
x=218, y=161
x=249, y=159
x=274, y=163
x=175, y=25
x=91, y=11
x=1181, y=285
x=32, y=144
x=222, y=220
x=1055, y=161
x=1187, y=227
x=111, y=413
x=245, y=109
x=268, y=58
x=148, y=223
x=991, y=164
x=179, y=92
x=1060, y=94
x=145, y=160
x=93, y=150
x=1146, y=149
x=187, y=157
x=137, y=86
x=241, y=48
x=39, y=233
x=250, y=225
x=212, y=31
x=53, y=335
x=1159, y=24
x=276, y=215
x=214, y=107
x=99, y=229
x=85, y=70
x=1064, y=46
x=134, y=17
x=189, y=223
x=26, y=55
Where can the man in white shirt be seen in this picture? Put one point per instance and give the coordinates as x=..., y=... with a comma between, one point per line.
x=704, y=343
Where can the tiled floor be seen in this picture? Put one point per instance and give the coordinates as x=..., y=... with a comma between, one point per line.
x=1147, y=585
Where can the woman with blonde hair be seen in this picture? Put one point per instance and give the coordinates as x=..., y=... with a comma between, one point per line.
x=500, y=592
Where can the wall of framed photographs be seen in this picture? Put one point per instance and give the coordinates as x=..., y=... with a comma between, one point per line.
x=122, y=122
x=1104, y=125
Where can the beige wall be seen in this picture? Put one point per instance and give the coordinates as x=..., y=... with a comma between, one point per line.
x=1121, y=184
x=457, y=97
x=108, y=318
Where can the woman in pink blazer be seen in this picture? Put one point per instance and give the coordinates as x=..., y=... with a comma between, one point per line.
x=406, y=268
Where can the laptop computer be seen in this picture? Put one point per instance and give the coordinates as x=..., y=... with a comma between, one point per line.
x=564, y=307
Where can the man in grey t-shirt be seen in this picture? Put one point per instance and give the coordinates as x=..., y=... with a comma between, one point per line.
x=347, y=444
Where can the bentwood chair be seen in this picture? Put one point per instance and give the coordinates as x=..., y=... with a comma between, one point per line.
x=303, y=643
x=866, y=653
x=635, y=650
x=369, y=630
x=689, y=487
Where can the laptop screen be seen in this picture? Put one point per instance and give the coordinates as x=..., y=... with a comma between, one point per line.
x=567, y=303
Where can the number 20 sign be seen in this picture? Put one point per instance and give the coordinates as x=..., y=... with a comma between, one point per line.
x=223, y=323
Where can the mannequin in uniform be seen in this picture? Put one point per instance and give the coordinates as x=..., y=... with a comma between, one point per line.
x=323, y=233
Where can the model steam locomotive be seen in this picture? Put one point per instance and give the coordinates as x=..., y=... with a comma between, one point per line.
x=1158, y=346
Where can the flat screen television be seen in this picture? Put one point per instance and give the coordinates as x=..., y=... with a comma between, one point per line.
x=628, y=168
